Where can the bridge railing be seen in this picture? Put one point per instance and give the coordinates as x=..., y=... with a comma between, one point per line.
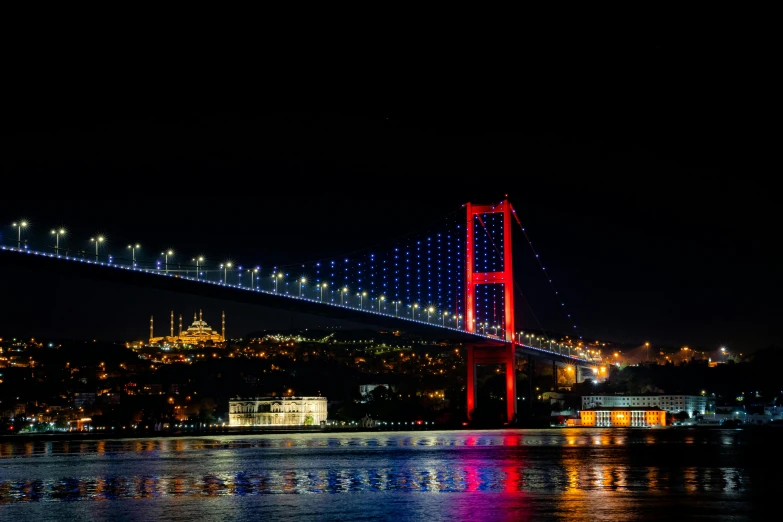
x=277, y=283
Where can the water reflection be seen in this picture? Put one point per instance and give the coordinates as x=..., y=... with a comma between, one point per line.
x=566, y=464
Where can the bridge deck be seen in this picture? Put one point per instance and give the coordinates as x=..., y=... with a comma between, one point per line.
x=149, y=278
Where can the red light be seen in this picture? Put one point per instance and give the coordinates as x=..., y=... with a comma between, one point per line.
x=419, y=422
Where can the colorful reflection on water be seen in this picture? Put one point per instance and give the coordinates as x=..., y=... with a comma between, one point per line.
x=594, y=469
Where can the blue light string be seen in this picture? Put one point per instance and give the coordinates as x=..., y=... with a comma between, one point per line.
x=548, y=277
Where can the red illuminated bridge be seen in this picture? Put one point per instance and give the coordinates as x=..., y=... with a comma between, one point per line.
x=454, y=279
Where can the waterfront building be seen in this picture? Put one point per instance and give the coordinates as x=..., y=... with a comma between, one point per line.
x=633, y=417
x=277, y=411
x=670, y=403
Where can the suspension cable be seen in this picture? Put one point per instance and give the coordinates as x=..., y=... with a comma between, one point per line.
x=549, y=278
x=377, y=245
x=515, y=284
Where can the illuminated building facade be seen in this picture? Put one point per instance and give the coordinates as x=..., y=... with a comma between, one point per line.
x=670, y=403
x=623, y=417
x=199, y=333
x=277, y=411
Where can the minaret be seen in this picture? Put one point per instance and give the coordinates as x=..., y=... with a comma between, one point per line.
x=151, y=329
x=200, y=322
x=224, y=326
x=172, y=324
x=180, y=326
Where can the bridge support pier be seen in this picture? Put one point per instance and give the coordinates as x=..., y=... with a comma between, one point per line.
x=580, y=374
x=493, y=354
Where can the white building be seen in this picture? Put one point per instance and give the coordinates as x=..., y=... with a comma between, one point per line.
x=276, y=411
x=670, y=403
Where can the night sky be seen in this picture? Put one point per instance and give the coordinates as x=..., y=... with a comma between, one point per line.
x=649, y=229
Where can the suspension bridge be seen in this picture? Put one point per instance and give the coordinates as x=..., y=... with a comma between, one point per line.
x=453, y=279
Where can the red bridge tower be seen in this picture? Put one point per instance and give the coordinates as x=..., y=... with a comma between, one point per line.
x=498, y=352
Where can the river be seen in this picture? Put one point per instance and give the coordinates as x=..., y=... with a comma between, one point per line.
x=546, y=474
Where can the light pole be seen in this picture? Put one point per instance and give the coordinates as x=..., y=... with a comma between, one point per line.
x=57, y=234
x=277, y=276
x=361, y=294
x=254, y=271
x=198, y=260
x=414, y=306
x=322, y=285
x=342, y=296
x=225, y=268
x=723, y=354
x=97, y=240
x=301, y=282
x=445, y=314
x=458, y=317
x=380, y=300
x=133, y=252
x=396, y=308
x=647, y=345
x=19, y=225
x=429, y=312
x=167, y=253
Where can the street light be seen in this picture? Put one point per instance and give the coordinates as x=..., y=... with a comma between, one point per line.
x=342, y=296
x=380, y=300
x=167, y=253
x=19, y=225
x=647, y=345
x=225, y=268
x=429, y=311
x=301, y=282
x=458, y=317
x=254, y=271
x=445, y=314
x=361, y=294
x=57, y=234
x=414, y=306
x=133, y=252
x=396, y=308
x=97, y=241
x=198, y=260
x=277, y=276
x=322, y=285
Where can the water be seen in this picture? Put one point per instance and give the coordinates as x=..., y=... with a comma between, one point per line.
x=553, y=474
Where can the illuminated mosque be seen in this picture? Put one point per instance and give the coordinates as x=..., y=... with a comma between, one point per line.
x=198, y=334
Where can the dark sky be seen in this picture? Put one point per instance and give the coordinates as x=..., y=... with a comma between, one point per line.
x=647, y=223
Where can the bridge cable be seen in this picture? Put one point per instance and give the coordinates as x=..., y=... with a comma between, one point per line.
x=538, y=259
x=372, y=247
x=515, y=284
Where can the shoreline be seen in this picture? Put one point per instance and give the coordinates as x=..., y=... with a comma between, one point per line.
x=292, y=430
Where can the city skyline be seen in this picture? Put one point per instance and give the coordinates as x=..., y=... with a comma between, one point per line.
x=642, y=245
